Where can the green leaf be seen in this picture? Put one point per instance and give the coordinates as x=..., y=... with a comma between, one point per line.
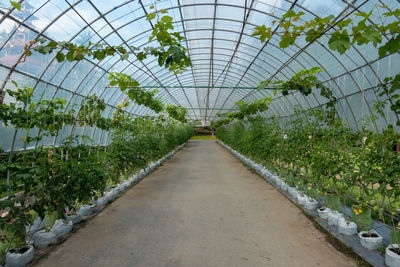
x=16, y=5
x=390, y=47
x=339, y=41
x=373, y=35
x=263, y=32
x=286, y=40
x=41, y=40
x=60, y=57
x=141, y=56
x=124, y=56
x=151, y=16
x=166, y=19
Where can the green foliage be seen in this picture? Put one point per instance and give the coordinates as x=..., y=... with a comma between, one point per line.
x=49, y=180
x=149, y=139
x=325, y=158
x=347, y=31
x=73, y=52
x=303, y=81
x=170, y=53
x=391, y=89
x=176, y=112
x=341, y=32
x=16, y=5
x=137, y=94
x=340, y=41
x=245, y=110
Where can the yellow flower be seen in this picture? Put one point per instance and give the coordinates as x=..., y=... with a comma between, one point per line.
x=359, y=211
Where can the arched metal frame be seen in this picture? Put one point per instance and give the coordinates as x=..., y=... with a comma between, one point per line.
x=223, y=53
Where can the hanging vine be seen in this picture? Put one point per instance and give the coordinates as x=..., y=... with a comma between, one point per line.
x=343, y=32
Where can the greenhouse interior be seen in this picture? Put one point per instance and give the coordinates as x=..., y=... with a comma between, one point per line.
x=200, y=133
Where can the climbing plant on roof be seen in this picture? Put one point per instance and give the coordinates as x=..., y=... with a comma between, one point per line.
x=245, y=110
x=342, y=32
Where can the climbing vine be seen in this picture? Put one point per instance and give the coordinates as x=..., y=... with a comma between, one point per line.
x=170, y=53
x=177, y=112
x=136, y=93
x=342, y=33
x=245, y=110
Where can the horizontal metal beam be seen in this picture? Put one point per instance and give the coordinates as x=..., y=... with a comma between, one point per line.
x=213, y=108
x=200, y=87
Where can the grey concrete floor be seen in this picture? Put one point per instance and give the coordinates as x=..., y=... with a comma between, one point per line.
x=201, y=208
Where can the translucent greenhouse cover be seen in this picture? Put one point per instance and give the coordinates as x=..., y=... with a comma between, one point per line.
x=227, y=61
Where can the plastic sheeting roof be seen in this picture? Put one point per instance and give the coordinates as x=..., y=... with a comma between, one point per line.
x=228, y=63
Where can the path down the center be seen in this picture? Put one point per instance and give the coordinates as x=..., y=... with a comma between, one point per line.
x=203, y=207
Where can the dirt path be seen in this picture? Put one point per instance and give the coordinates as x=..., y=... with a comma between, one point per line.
x=201, y=208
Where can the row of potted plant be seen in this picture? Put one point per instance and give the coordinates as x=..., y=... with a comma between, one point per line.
x=42, y=234
x=368, y=239
x=67, y=179
x=329, y=162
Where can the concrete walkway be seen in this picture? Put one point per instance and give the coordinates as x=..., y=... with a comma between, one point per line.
x=201, y=208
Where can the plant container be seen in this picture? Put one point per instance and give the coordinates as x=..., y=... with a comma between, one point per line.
x=60, y=227
x=284, y=186
x=392, y=255
x=301, y=200
x=75, y=218
x=101, y=201
x=86, y=210
x=370, y=239
x=19, y=257
x=43, y=238
x=293, y=192
x=323, y=212
x=38, y=224
x=110, y=196
x=346, y=228
x=311, y=204
x=333, y=217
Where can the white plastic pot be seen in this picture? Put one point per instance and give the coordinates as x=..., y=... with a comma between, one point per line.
x=265, y=173
x=301, y=200
x=116, y=190
x=61, y=228
x=86, y=210
x=19, y=260
x=346, y=228
x=101, y=201
x=38, y=224
x=110, y=196
x=293, y=192
x=333, y=217
x=392, y=259
x=284, y=186
x=137, y=177
x=123, y=186
x=323, y=212
x=370, y=242
x=43, y=238
x=75, y=218
x=275, y=179
x=311, y=204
